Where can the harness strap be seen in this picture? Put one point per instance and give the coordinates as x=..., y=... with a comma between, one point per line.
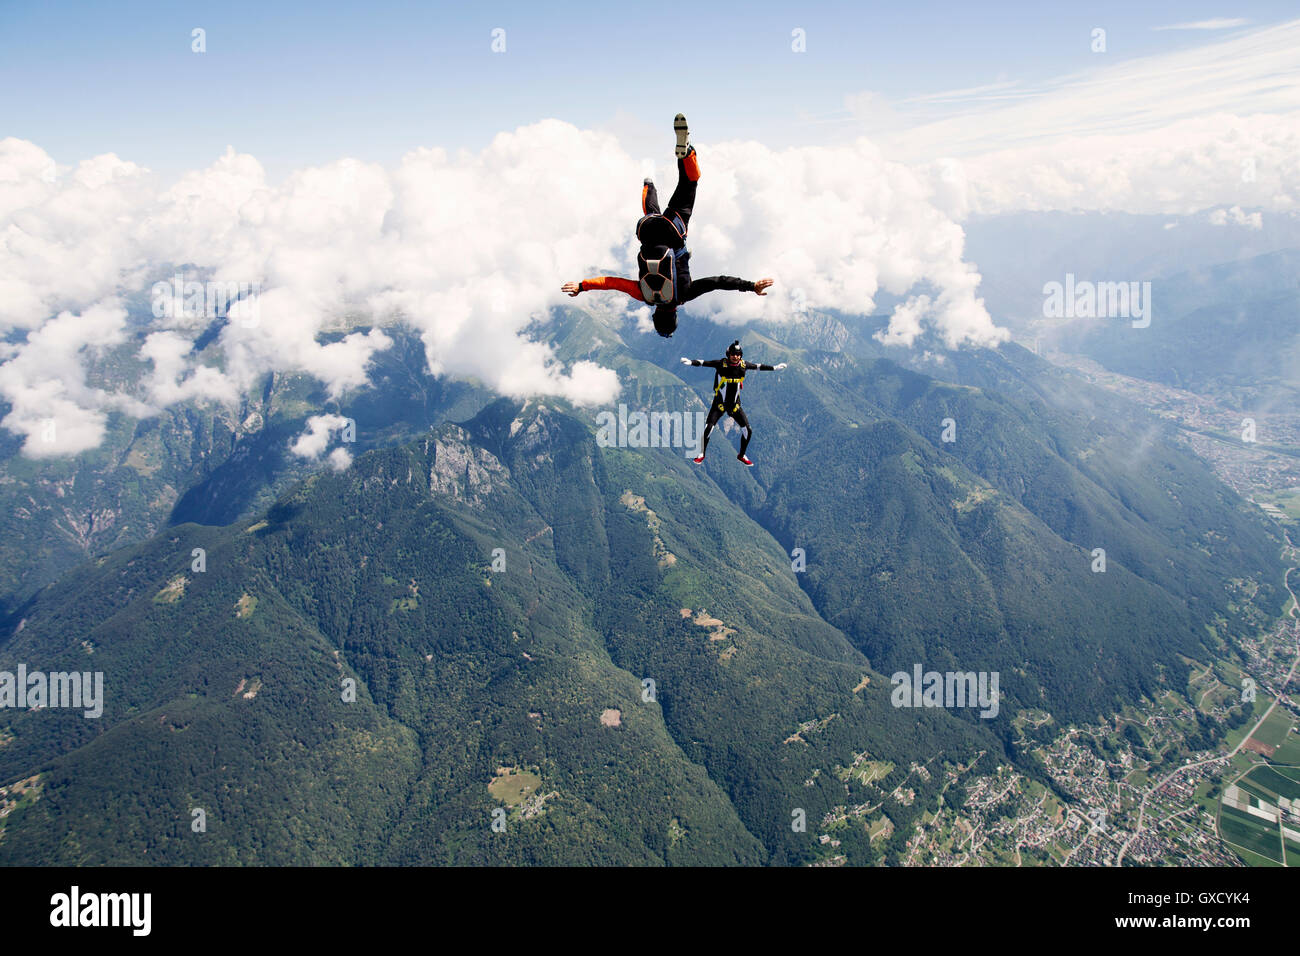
x=717, y=390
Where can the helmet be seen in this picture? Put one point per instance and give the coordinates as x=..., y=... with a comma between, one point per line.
x=665, y=319
x=734, y=349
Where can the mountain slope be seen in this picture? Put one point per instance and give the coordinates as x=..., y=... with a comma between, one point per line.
x=209, y=464
x=466, y=675
x=982, y=547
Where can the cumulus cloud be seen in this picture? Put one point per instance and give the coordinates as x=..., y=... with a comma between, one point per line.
x=44, y=382
x=1237, y=217
x=1189, y=167
x=468, y=249
x=312, y=443
x=834, y=226
x=168, y=383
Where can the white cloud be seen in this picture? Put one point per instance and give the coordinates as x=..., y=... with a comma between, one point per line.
x=1249, y=73
x=839, y=225
x=1003, y=89
x=873, y=112
x=905, y=325
x=1188, y=167
x=468, y=249
x=1219, y=23
x=312, y=443
x=166, y=383
x=340, y=459
x=1238, y=217
x=57, y=250
x=1173, y=133
x=44, y=382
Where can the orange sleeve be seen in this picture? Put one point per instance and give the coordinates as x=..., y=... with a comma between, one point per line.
x=613, y=283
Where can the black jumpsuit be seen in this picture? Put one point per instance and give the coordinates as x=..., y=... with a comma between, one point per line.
x=728, y=380
x=655, y=232
x=662, y=233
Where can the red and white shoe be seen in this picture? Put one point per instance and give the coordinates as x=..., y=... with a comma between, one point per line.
x=744, y=461
x=700, y=460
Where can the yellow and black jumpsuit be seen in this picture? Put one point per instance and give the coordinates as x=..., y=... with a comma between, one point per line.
x=728, y=380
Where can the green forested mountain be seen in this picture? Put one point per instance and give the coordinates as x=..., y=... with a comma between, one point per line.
x=384, y=574
x=499, y=590
x=979, y=550
x=209, y=463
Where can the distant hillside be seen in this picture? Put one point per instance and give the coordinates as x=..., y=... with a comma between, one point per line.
x=1230, y=329
x=1017, y=253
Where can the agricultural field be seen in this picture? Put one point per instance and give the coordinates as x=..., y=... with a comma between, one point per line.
x=1245, y=832
x=1268, y=784
x=1274, y=730
x=1288, y=754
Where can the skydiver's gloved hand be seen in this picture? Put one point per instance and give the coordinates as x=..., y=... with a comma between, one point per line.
x=781, y=366
x=760, y=285
x=685, y=360
x=571, y=287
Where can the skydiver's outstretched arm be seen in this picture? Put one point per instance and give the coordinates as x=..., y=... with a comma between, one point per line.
x=699, y=287
x=614, y=283
x=722, y=363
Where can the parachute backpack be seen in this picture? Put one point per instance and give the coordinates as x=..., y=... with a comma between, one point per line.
x=657, y=275
x=663, y=242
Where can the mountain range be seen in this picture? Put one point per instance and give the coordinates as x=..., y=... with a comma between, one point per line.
x=494, y=639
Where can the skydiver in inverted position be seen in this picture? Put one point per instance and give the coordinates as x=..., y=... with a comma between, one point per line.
x=663, y=262
x=728, y=380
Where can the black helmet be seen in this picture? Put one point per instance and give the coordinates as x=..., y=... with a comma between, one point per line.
x=665, y=319
x=734, y=348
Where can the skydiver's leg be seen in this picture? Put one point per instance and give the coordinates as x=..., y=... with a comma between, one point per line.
x=688, y=175
x=746, y=432
x=649, y=199
x=715, y=412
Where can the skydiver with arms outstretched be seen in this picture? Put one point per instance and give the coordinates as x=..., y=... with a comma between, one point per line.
x=663, y=262
x=728, y=380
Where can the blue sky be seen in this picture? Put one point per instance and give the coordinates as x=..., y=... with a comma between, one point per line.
x=302, y=83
